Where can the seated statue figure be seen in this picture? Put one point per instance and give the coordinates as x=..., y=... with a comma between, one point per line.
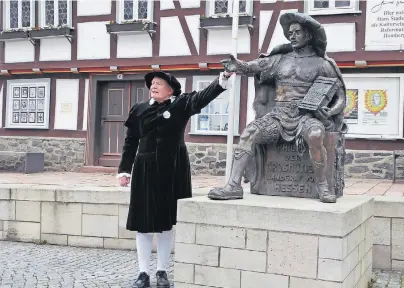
x=289, y=82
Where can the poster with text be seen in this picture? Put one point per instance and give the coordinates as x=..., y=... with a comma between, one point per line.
x=384, y=25
x=351, y=109
x=379, y=108
x=375, y=104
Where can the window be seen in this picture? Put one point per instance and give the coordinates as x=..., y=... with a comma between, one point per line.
x=225, y=7
x=317, y=7
x=132, y=10
x=214, y=119
x=27, y=105
x=19, y=14
x=55, y=13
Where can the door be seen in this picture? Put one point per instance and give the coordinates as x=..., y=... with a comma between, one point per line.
x=117, y=99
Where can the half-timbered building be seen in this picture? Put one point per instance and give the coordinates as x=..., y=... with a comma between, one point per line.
x=71, y=70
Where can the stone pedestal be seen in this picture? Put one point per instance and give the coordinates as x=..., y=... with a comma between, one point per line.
x=273, y=242
x=286, y=173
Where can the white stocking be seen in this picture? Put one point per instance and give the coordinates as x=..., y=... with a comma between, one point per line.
x=144, y=243
x=164, y=244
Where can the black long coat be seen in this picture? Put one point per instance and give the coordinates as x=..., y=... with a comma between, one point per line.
x=161, y=170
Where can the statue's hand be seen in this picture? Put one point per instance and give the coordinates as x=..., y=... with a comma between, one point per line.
x=323, y=113
x=230, y=65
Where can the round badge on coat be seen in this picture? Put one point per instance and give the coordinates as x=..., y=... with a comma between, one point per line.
x=166, y=114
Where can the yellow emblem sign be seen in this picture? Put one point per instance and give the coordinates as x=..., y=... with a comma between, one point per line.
x=375, y=100
x=352, y=101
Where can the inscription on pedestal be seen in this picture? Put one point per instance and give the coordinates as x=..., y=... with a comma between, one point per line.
x=287, y=173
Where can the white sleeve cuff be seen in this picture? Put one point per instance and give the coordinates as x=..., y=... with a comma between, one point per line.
x=223, y=81
x=120, y=175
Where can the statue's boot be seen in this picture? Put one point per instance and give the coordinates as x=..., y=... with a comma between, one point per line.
x=322, y=184
x=233, y=189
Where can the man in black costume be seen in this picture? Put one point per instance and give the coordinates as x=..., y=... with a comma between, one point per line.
x=155, y=147
x=283, y=79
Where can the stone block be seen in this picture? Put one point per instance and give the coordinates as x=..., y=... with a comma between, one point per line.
x=220, y=236
x=217, y=277
x=185, y=273
x=300, y=259
x=280, y=242
x=397, y=232
x=7, y=210
x=33, y=194
x=308, y=216
x=28, y=211
x=381, y=257
x=124, y=244
x=94, y=195
x=243, y=259
x=257, y=240
x=5, y=193
x=196, y=254
x=296, y=282
x=286, y=173
x=123, y=216
x=22, y=231
x=255, y=280
x=100, y=226
x=61, y=218
x=337, y=270
x=185, y=232
x=1, y=225
x=397, y=265
x=54, y=239
x=101, y=209
x=389, y=207
x=80, y=241
x=382, y=231
x=397, y=252
x=333, y=248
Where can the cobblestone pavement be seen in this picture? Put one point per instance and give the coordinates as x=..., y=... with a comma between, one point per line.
x=36, y=266
x=25, y=265
x=71, y=179
x=385, y=279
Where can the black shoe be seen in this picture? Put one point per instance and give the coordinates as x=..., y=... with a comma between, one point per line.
x=162, y=279
x=142, y=281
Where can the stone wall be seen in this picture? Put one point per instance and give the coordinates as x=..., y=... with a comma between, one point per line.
x=61, y=154
x=372, y=164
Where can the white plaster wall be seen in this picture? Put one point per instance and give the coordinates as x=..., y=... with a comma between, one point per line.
x=182, y=81
x=278, y=37
x=172, y=38
x=193, y=25
x=93, y=7
x=85, y=112
x=250, y=99
x=1, y=104
x=67, y=102
x=166, y=4
x=340, y=37
x=19, y=51
x=265, y=18
x=92, y=41
x=55, y=49
x=219, y=41
x=190, y=3
x=134, y=45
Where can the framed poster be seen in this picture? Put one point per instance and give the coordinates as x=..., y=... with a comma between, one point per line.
x=27, y=103
x=375, y=105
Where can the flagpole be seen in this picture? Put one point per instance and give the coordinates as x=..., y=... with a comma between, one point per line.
x=232, y=92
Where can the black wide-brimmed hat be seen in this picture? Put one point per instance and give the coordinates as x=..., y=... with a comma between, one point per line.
x=319, y=37
x=169, y=78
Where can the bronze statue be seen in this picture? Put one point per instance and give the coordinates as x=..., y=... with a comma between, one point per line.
x=300, y=95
